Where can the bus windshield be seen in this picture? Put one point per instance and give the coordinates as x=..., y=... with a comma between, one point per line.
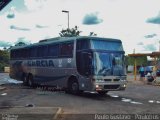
x=108, y=63
x=106, y=45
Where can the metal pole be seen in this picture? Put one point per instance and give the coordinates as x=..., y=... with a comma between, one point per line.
x=135, y=69
x=159, y=45
x=65, y=11
x=68, y=19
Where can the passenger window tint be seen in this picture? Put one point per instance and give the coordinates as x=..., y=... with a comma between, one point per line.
x=42, y=51
x=53, y=50
x=33, y=52
x=24, y=53
x=66, y=49
x=13, y=54
x=82, y=44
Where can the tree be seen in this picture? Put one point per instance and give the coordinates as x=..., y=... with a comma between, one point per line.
x=4, y=59
x=139, y=60
x=70, y=32
x=20, y=44
x=92, y=34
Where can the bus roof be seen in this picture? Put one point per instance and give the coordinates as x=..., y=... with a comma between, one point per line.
x=64, y=39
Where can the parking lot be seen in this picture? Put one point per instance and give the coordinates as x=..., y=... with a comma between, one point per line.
x=138, y=98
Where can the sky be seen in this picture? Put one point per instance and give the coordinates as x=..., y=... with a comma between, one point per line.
x=135, y=22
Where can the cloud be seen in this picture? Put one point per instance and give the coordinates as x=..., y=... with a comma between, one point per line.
x=11, y=13
x=41, y=26
x=5, y=44
x=34, y=5
x=150, y=47
x=19, y=28
x=154, y=20
x=150, y=36
x=91, y=19
x=140, y=43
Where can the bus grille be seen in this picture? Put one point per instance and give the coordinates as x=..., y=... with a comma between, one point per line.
x=116, y=79
x=111, y=87
x=107, y=80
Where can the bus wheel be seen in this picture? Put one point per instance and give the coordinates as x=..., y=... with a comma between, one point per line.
x=25, y=81
x=30, y=81
x=102, y=92
x=74, y=87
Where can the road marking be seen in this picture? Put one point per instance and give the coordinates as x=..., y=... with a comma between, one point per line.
x=3, y=94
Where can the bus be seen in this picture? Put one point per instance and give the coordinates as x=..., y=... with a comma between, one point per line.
x=75, y=64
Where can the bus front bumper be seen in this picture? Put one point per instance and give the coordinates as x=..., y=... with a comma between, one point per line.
x=110, y=86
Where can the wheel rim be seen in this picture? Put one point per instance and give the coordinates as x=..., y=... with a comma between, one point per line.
x=25, y=79
x=74, y=86
x=30, y=81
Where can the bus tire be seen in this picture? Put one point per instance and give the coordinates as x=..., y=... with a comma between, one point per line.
x=102, y=92
x=25, y=80
x=30, y=80
x=74, y=87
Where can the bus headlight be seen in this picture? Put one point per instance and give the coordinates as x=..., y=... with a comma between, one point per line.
x=124, y=85
x=97, y=86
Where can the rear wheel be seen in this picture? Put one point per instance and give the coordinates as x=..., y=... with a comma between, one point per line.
x=24, y=79
x=30, y=81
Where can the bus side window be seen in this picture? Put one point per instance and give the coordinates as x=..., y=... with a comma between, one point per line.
x=18, y=53
x=66, y=49
x=24, y=53
x=42, y=51
x=82, y=44
x=53, y=50
x=33, y=52
x=12, y=55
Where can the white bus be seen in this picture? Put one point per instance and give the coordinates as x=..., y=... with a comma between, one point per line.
x=73, y=63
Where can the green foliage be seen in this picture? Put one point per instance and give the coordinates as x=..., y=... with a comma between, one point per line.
x=139, y=60
x=4, y=59
x=73, y=32
x=92, y=34
x=20, y=44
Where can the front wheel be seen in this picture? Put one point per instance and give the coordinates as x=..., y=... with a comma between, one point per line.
x=74, y=87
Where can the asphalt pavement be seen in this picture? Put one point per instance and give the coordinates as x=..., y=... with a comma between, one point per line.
x=138, y=98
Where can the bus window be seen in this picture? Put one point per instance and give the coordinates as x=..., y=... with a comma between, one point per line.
x=19, y=53
x=12, y=54
x=53, y=50
x=106, y=45
x=66, y=49
x=33, y=52
x=42, y=51
x=82, y=44
x=24, y=53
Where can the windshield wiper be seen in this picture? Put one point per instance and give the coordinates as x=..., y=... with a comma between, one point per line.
x=104, y=71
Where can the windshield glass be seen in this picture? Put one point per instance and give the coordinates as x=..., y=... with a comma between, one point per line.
x=106, y=45
x=108, y=63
